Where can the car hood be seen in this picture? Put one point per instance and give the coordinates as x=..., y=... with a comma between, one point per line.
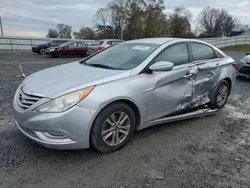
x=59, y=80
x=42, y=45
x=246, y=58
x=53, y=47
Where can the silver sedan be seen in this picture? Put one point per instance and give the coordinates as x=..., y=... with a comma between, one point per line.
x=103, y=99
x=243, y=69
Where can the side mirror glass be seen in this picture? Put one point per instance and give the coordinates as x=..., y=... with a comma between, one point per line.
x=162, y=66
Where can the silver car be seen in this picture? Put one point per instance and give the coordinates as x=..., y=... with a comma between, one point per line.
x=243, y=69
x=103, y=99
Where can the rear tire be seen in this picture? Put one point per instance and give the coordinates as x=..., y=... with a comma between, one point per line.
x=220, y=95
x=113, y=128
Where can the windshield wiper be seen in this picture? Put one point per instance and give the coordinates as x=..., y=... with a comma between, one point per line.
x=100, y=66
x=83, y=62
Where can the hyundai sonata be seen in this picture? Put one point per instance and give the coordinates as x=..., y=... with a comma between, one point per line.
x=102, y=100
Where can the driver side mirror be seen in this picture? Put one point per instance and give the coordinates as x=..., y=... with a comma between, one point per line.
x=248, y=53
x=162, y=66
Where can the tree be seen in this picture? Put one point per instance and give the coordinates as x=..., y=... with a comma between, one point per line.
x=216, y=22
x=179, y=23
x=102, y=15
x=84, y=33
x=104, y=31
x=64, y=31
x=52, y=33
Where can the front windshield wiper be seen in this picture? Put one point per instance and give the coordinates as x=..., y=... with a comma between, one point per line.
x=83, y=62
x=100, y=66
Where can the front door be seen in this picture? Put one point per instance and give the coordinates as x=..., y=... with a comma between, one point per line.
x=208, y=68
x=171, y=91
x=71, y=49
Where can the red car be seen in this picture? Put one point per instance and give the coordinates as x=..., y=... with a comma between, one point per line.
x=70, y=48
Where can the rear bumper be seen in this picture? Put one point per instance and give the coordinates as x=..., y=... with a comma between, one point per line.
x=36, y=50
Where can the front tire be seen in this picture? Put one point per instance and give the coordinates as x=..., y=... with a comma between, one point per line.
x=60, y=54
x=42, y=51
x=220, y=95
x=113, y=128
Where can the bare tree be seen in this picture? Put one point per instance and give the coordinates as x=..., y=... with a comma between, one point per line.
x=216, y=22
x=84, y=33
x=64, y=31
x=52, y=33
x=102, y=15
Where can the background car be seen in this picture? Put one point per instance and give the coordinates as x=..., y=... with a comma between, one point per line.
x=42, y=47
x=243, y=69
x=101, y=100
x=69, y=48
x=102, y=44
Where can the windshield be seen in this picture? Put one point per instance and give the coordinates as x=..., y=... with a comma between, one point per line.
x=123, y=56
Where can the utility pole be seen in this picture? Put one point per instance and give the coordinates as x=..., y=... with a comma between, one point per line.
x=1, y=25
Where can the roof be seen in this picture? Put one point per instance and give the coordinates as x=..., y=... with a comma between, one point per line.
x=153, y=40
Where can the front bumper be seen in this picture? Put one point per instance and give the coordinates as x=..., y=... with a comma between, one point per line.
x=66, y=130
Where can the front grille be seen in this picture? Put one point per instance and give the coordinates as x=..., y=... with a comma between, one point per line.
x=24, y=100
x=245, y=70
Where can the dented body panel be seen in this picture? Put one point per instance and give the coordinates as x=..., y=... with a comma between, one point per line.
x=155, y=96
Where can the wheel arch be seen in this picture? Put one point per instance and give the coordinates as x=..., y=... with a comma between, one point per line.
x=230, y=83
x=131, y=104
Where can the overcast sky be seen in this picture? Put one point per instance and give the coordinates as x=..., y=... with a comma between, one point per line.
x=79, y=13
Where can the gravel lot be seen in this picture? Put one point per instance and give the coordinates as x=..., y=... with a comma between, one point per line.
x=204, y=152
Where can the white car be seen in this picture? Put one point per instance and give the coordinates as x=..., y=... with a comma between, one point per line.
x=102, y=44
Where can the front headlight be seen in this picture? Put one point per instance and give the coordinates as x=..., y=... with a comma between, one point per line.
x=51, y=50
x=64, y=102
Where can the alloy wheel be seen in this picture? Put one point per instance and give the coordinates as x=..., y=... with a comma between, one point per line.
x=42, y=51
x=116, y=128
x=222, y=95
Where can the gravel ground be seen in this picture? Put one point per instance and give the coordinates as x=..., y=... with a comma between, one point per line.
x=204, y=152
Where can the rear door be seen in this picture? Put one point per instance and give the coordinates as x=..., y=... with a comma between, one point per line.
x=208, y=71
x=171, y=91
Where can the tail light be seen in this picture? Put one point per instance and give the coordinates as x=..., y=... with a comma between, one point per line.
x=235, y=65
x=99, y=48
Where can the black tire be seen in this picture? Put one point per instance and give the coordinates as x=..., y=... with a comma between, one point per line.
x=60, y=54
x=42, y=51
x=96, y=138
x=214, y=104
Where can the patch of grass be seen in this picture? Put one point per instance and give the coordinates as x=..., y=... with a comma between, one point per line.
x=237, y=48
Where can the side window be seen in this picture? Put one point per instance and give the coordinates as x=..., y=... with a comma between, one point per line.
x=177, y=54
x=202, y=51
x=81, y=44
x=109, y=43
x=73, y=45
